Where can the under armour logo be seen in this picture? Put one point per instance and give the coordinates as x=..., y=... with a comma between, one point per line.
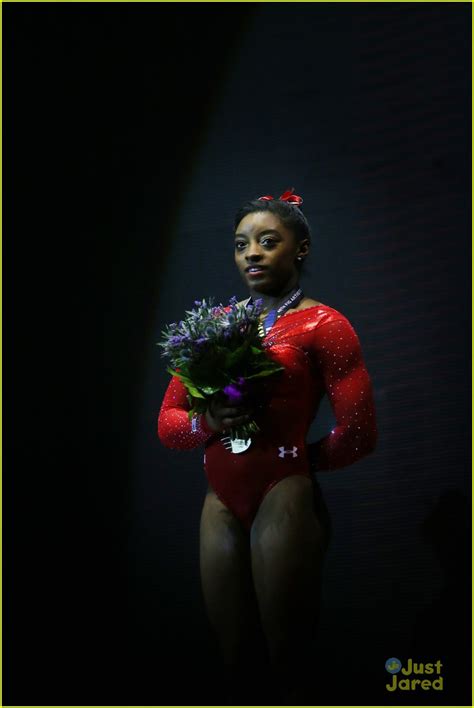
x=283, y=451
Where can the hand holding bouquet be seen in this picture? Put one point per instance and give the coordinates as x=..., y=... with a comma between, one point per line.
x=215, y=352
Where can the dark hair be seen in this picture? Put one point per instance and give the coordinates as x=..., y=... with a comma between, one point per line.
x=290, y=215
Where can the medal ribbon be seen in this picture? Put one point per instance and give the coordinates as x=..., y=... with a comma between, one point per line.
x=295, y=296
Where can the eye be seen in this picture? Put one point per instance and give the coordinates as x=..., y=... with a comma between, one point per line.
x=269, y=242
x=238, y=244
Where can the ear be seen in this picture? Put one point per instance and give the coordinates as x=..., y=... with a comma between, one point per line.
x=303, y=248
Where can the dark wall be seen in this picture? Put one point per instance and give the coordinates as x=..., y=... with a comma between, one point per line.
x=129, y=142
x=105, y=106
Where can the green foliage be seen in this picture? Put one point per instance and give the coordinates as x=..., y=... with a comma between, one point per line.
x=213, y=349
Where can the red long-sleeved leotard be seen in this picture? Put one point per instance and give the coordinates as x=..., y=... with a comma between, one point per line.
x=321, y=354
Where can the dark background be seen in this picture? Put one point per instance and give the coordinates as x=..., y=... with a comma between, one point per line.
x=131, y=134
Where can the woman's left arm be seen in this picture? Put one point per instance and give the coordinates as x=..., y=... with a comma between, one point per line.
x=338, y=353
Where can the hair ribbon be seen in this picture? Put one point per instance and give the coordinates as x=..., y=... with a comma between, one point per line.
x=287, y=196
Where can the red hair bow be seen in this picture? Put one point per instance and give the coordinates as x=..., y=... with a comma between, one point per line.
x=287, y=196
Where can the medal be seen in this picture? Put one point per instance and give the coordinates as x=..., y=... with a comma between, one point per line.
x=239, y=445
x=236, y=445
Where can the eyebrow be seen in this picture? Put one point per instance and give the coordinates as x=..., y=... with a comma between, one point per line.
x=265, y=232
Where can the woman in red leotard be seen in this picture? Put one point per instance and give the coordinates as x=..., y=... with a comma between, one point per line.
x=264, y=525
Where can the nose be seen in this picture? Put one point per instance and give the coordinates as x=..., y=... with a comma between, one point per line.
x=253, y=254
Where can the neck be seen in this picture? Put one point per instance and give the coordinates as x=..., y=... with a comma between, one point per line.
x=274, y=299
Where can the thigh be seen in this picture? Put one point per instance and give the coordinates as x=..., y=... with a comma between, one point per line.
x=226, y=575
x=287, y=549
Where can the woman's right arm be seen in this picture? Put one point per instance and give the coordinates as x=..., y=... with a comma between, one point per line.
x=175, y=430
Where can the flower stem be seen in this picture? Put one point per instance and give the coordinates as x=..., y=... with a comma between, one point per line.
x=244, y=431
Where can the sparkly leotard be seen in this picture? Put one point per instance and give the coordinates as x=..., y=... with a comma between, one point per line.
x=321, y=354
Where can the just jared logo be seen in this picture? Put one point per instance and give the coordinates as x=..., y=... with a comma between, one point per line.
x=394, y=667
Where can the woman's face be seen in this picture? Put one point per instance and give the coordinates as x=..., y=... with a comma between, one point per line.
x=264, y=243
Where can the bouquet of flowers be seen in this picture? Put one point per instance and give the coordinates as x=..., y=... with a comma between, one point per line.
x=214, y=350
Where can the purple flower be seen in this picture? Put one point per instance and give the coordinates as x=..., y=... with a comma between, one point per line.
x=233, y=393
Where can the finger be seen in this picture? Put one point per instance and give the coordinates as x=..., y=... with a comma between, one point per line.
x=231, y=412
x=232, y=422
x=243, y=419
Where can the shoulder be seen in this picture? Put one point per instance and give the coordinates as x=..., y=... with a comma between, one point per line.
x=327, y=323
x=321, y=314
x=309, y=302
x=335, y=338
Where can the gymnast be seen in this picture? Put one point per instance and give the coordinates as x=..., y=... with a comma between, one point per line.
x=265, y=527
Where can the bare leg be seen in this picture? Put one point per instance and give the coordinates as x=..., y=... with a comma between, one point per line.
x=287, y=548
x=227, y=585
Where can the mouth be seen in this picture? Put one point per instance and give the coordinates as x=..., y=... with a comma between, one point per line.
x=255, y=271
